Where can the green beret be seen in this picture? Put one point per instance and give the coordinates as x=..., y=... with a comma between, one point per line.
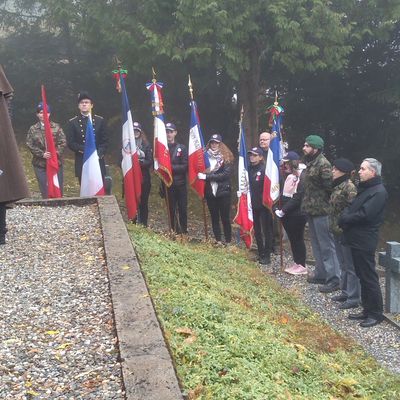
x=315, y=141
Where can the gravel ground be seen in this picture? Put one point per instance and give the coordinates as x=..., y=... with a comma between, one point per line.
x=381, y=341
x=57, y=337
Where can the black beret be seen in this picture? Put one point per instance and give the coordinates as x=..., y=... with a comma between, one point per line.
x=344, y=165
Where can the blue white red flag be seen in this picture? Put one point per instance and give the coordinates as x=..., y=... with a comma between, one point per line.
x=271, y=180
x=130, y=160
x=91, y=178
x=244, y=215
x=53, y=185
x=162, y=161
x=198, y=160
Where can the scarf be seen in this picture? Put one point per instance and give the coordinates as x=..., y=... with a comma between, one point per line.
x=216, y=161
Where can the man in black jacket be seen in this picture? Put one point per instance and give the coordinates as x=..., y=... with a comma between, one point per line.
x=177, y=192
x=360, y=223
x=262, y=217
x=76, y=134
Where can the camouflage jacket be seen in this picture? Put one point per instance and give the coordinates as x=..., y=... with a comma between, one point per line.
x=317, y=186
x=341, y=197
x=36, y=143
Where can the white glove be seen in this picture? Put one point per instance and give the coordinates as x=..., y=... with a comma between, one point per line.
x=141, y=154
x=201, y=176
x=239, y=194
x=279, y=213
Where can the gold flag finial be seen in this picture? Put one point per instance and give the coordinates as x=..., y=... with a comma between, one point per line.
x=190, y=88
x=154, y=80
x=242, y=113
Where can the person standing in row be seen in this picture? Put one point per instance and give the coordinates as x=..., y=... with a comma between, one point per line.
x=315, y=204
x=343, y=193
x=146, y=160
x=218, y=187
x=292, y=217
x=36, y=142
x=76, y=134
x=177, y=192
x=360, y=222
x=13, y=185
x=256, y=181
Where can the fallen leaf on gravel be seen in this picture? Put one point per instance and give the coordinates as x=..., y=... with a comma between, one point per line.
x=64, y=345
x=125, y=267
x=52, y=333
x=32, y=393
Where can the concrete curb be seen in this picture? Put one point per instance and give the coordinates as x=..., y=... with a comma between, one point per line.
x=147, y=368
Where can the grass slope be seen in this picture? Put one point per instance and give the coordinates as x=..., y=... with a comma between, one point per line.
x=235, y=334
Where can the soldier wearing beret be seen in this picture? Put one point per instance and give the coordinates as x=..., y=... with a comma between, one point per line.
x=343, y=193
x=315, y=204
x=77, y=133
x=36, y=142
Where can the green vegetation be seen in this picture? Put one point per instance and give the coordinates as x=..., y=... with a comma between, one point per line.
x=235, y=334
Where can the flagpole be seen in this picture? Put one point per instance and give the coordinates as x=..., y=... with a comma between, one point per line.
x=280, y=205
x=203, y=201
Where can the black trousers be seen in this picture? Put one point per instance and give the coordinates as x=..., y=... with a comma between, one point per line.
x=263, y=230
x=3, y=229
x=220, y=208
x=144, y=203
x=177, y=199
x=371, y=295
x=294, y=227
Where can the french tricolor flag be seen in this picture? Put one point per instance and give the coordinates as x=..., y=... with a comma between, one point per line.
x=271, y=190
x=198, y=161
x=130, y=161
x=162, y=161
x=244, y=215
x=91, y=179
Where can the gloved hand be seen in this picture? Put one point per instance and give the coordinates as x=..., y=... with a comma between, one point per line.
x=279, y=213
x=201, y=176
x=141, y=154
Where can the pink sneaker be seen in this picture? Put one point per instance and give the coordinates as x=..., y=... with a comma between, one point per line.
x=289, y=270
x=299, y=270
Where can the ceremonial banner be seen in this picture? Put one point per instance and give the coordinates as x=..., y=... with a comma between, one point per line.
x=197, y=162
x=91, y=178
x=244, y=215
x=53, y=186
x=130, y=160
x=162, y=161
x=271, y=180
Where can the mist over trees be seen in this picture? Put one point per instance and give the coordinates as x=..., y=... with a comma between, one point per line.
x=334, y=65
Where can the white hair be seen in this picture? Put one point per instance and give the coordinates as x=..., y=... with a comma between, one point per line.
x=375, y=165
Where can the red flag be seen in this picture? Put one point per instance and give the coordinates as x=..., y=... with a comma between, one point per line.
x=53, y=186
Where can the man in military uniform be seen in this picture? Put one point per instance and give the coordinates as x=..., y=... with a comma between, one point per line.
x=36, y=142
x=315, y=204
x=343, y=193
x=77, y=133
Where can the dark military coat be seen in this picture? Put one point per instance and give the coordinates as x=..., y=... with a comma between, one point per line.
x=76, y=134
x=13, y=185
